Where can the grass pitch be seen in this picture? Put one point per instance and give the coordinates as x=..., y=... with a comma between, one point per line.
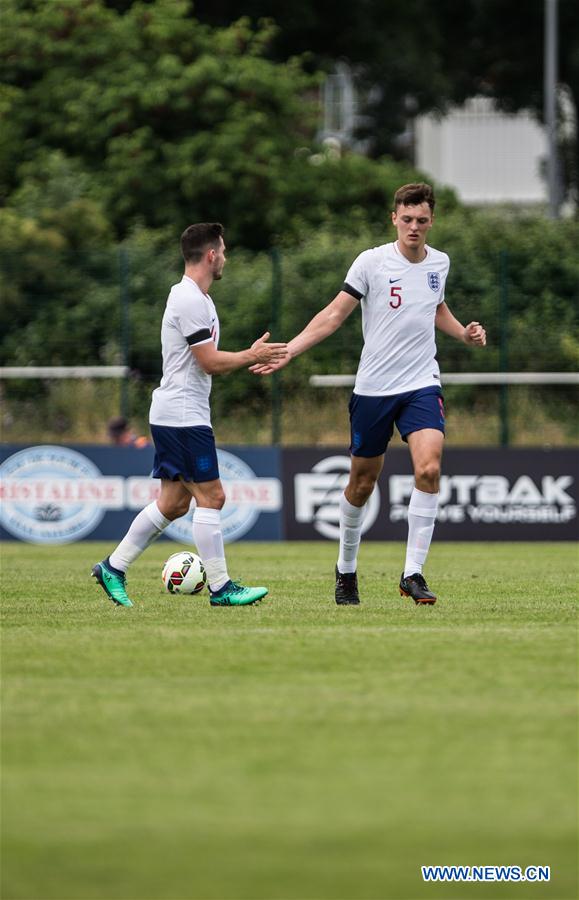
x=294, y=750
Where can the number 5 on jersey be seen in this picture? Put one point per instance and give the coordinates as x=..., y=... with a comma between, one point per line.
x=396, y=295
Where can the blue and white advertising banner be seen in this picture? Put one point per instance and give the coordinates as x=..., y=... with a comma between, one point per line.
x=53, y=494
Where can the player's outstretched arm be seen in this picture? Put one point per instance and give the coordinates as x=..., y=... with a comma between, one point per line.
x=474, y=332
x=220, y=362
x=320, y=327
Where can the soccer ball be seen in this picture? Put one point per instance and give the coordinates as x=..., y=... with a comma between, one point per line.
x=184, y=573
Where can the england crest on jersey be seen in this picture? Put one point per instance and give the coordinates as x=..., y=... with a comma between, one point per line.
x=433, y=281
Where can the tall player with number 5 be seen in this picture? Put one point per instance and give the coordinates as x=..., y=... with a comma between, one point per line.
x=400, y=288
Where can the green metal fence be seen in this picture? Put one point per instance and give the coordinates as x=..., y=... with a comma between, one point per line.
x=105, y=309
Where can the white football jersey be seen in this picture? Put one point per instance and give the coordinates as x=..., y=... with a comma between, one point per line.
x=399, y=301
x=182, y=398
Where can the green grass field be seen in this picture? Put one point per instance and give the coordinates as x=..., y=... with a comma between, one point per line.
x=294, y=750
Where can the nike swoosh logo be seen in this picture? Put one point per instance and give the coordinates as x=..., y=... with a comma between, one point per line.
x=392, y=280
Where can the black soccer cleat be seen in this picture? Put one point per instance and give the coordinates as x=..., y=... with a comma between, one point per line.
x=415, y=586
x=347, y=589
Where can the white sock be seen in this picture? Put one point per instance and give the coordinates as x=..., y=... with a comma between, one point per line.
x=145, y=528
x=351, y=518
x=208, y=539
x=421, y=518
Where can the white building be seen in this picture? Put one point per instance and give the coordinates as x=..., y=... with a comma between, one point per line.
x=486, y=155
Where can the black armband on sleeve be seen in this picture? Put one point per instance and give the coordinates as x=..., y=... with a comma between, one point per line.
x=357, y=295
x=203, y=335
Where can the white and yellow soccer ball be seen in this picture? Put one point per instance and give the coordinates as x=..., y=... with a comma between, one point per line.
x=184, y=573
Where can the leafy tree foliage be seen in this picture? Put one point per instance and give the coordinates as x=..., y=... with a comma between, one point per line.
x=174, y=121
x=125, y=121
x=171, y=121
x=422, y=55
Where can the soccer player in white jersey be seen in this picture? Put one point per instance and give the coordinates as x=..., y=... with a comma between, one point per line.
x=185, y=454
x=400, y=287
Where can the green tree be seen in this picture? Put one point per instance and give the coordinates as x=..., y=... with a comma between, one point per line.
x=173, y=120
x=417, y=56
x=170, y=121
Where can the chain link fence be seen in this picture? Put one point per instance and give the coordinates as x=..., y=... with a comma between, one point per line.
x=104, y=309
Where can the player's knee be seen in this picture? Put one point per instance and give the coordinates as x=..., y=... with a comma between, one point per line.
x=360, y=489
x=216, y=498
x=175, y=509
x=427, y=477
x=211, y=496
x=183, y=507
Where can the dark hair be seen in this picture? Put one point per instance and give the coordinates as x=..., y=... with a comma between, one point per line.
x=197, y=238
x=414, y=195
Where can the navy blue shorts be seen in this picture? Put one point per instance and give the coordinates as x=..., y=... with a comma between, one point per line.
x=187, y=453
x=372, y=419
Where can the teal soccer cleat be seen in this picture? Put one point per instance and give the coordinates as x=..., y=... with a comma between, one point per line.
x=233, y=594
x=112, y=583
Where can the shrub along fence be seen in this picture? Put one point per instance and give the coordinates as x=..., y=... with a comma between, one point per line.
x=519, y=276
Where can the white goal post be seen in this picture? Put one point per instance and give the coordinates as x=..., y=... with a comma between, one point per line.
x=467, y=378
x=64, y=371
